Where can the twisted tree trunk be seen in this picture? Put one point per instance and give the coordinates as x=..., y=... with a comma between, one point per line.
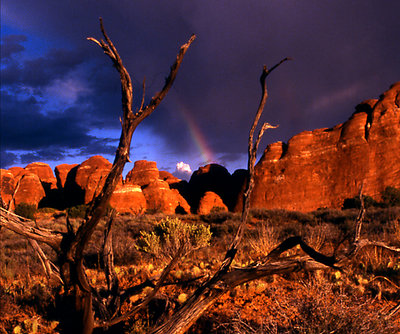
x=70, y=246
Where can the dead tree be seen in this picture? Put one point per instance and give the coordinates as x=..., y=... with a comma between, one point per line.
x=70, y=246
x=225, y=279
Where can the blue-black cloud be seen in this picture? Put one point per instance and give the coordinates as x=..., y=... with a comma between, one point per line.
x=10, y=45
x=344, y=52
x=39, y=72
x=45, y=136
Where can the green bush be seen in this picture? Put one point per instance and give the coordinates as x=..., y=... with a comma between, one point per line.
x=170, y=234
x=78, y=211
x=26, y=210
x=391, y=196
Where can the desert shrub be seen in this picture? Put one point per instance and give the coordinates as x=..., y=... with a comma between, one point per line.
x=315, y=306
x=226, y=229
x=322, y=310
x=383, y=215
x=217, y=216
x=78, y=211
x=46, y=210
x=152, y=211
x=344, y=220
x=277, y=216
x=26, y=210
x=265, y=240
x=274, y=216
x=216, y=209
x=315, y=236
x=391, y=196
x=170, y=234
x=378, y=223
x=302, y=217
x=379, y=262
x=355, y=203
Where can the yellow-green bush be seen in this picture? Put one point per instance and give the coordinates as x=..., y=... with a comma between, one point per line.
x=170, y=234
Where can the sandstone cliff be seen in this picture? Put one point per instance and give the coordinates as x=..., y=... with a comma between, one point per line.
x=323, y=167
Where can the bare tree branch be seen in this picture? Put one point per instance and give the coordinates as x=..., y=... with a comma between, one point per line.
x=144, y=94
x=70, y=246
x=360, y=216
x=108, y=255
x=206, y=294
x=156, y=100
x=252, y=156
x=150, y=296
x=393, y=311
x=49, y=268
x=27, y=228
x=130, y=122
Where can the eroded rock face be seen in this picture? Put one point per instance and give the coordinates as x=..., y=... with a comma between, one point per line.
x=45, y=174
x=16, y=171
x=323, y=167
x=161, y=198
x=79, y=184
x=91, y=175
x=210, y=201
x=49, y=183
x=212, y=177
x=168, y=177
x=128, y=198
x=7, y=185
x=30, y=190
x=143, y=173
x=61, y=172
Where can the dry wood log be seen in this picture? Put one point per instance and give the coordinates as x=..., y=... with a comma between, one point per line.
x=27, y=228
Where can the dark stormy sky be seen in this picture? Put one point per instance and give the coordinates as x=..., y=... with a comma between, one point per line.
x=60, y=96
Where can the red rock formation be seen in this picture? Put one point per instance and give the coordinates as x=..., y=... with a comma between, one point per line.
x=45, y=174
x=143, y=173
x=62, y=173
x=30, y=190
x=323, y=167
x=7, y=185
x=161, y=198
x=168, y=177
x=128, y=198
x=91, y=175
x=215, y=178
x=210, y=201
x=17, y=172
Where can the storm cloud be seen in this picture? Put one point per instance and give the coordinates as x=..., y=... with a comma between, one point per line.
x=57, y=87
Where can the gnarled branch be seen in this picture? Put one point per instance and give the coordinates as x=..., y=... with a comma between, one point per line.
x=27, y=229
x=150, y=296
x=129, y=124
x=208, y=293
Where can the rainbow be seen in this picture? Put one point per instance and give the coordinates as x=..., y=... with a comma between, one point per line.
x=195, y=132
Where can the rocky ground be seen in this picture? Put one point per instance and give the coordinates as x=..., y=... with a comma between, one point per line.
x=353, y=301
